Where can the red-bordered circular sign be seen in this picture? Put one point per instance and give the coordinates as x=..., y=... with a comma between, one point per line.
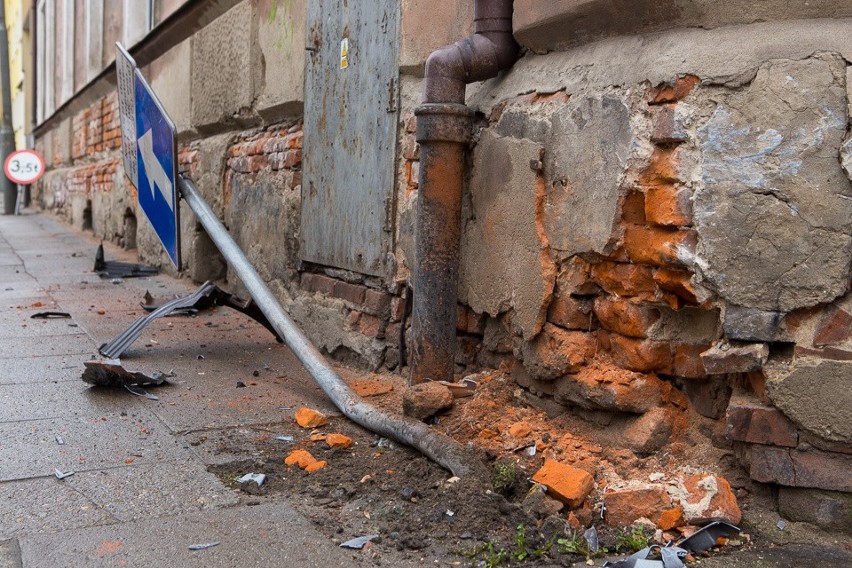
x=24, y=166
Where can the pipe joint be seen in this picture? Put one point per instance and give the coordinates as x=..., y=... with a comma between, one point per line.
x=446, y=122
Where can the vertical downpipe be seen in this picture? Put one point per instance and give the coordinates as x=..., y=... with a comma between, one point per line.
x=444, y=125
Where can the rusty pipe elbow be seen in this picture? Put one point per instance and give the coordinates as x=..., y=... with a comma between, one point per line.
x=482, y=55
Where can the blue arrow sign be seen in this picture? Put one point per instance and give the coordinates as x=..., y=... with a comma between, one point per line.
x=156, y=151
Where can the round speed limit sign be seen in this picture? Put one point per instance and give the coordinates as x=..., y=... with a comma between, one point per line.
x=24, y=166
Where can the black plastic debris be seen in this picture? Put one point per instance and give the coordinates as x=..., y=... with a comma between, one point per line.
x=109, y=269
x=51, y=315
x=359, y=543
x=204, y=545
x=206, y=296
x=112, y=374
x=591, y=537
x=706, y=537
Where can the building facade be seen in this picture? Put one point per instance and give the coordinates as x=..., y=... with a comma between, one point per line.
x=656, y=216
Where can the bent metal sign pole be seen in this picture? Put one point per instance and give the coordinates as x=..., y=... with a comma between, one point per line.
x=149, y=152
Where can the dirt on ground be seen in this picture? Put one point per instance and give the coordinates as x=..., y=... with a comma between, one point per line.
x=419, y=513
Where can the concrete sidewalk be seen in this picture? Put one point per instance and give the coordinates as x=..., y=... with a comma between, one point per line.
x=141, y=493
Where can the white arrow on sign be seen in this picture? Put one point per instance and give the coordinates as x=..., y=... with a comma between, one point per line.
x=154, y=169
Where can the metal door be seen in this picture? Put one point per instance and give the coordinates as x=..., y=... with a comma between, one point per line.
x=351, y=93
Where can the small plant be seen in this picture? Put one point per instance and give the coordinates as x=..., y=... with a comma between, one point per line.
x=504, y=476
x=520, y=553
x=632, y=539
x=493, y=556
x=576, y=544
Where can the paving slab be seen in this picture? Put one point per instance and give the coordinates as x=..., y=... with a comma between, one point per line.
x=154, y=489
x=50, y=369
x=10, y=554
x=46, y=505
x=261, y=536
x=92, y=442
x=29, y=401
x=47, y=345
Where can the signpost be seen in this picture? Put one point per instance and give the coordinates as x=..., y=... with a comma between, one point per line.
x=149, y=148
x=23, y=167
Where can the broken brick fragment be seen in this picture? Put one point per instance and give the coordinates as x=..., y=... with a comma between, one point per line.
x=309, y=418
x=671, y=519
x=706, y=498
x=315, y=466
x=301, y=458
x=624, y=506
x=565, y=483
x=338, y=441
x=520, y=430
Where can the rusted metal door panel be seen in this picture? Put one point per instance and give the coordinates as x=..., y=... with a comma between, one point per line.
x=351, y=86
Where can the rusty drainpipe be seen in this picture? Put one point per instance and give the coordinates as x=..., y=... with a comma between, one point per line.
x=443, y=132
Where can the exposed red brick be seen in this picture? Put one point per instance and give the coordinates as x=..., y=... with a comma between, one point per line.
x=410, y=148
x=376, y=302
x=317, y=283
x=568, y=484
x=687, y=361
x=624, y=506
x=520, y=429
x=575, y=277
x=644, y=356
x=678, y=282
x=633, y=208
x=301, y=458
x=572, y=312
x=602, y=385
x=623, y=279
x=625, y=317
x=662, y=169
x=836, y=327
x=666, y=93
x=735, y=358
x=369, y=325
x=556, y=351
x=292, y=158
x=397, y=308
x=747, y=420
x=812, y=468
x=411, y=124
x=657, y=246
x=668, y=205
x=353, y=293
x=667, y=129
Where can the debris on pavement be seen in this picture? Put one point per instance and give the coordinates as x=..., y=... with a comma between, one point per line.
x=670, y=557
x=359, y=543
x=109, y=269
x=62, y=474
x=204, y=545
x=591, y=537
x=252, y=483
x=285, y=439
x=310, y=418
x=51, y=315
x=305, y=460
x=207, y=295
x=60, y=440
x=113, y=374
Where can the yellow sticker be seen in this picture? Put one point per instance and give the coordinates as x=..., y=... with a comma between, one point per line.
x=344, y=53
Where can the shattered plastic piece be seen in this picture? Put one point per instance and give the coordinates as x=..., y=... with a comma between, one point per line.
x=358, y=543
x=258, y=478
x=781, y=525
x=385, y=443
x=116, y=281
x=62, y=474
x=591, y=536
x=285, y=438
x=705, y=538
x=204, y=545
x=60, y=440
x=531, y=450
x=140, y=392
x=112, y=374
x=51, y=315
x=671, y=558
x=115, y=269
